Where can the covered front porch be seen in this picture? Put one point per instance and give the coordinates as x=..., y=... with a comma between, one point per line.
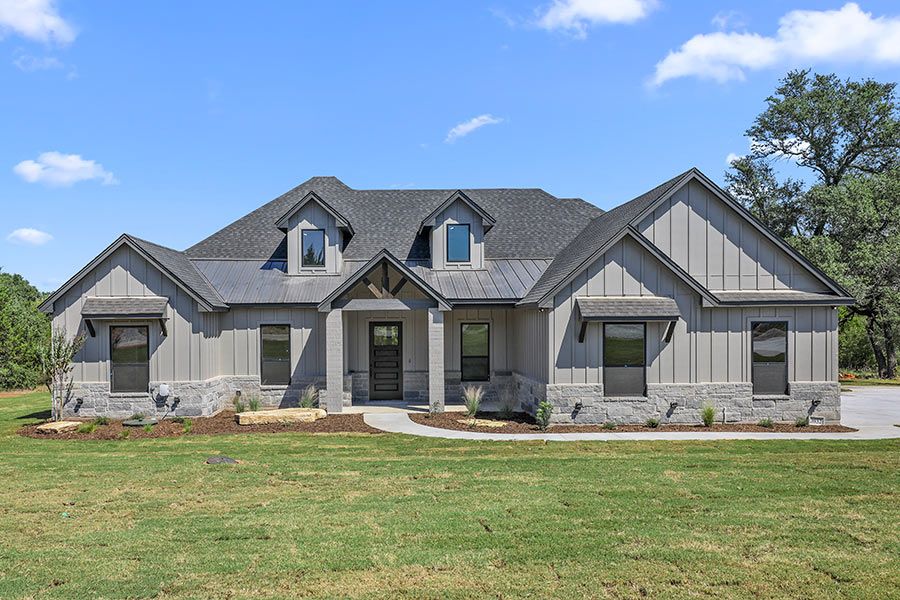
x=384, y=339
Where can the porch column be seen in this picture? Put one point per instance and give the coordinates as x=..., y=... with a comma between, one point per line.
x=334, y=361
x=435, y=360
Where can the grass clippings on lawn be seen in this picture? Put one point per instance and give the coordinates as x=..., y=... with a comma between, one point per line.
x=521, y=423
x=386, y=516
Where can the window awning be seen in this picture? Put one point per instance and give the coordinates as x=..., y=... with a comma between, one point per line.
x=142, y=307
x=636, y=308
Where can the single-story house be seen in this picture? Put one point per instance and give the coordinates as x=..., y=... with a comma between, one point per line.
x=677, y=299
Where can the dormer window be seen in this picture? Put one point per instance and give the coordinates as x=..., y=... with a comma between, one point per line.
x=312, y=251
x=458, y=249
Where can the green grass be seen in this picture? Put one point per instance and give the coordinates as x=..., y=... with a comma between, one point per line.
x=387, y=516
x=872, y=381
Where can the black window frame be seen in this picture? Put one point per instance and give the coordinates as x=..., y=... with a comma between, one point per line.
x=775, y=389
x=463, y=356
x=112, y=363
x=607, y=367
x=262, y=357
x=303, y=264
x=468, y=243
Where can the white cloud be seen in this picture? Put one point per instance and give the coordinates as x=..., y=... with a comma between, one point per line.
x=790, y=149
x=575, y=16
x=729, y=19
x=56, y=169
x=844, y=35
x=731, y=158
x=28, y=63
x=36, y=20
x=28, y=236
x=467, y=127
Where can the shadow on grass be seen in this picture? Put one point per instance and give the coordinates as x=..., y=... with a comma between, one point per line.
x=41, y=414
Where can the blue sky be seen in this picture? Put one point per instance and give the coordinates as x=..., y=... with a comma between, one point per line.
x=169, y=120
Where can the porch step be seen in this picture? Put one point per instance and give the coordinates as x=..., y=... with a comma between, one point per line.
x=280, y=415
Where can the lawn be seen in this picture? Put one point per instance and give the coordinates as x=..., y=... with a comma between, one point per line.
x=387, y=516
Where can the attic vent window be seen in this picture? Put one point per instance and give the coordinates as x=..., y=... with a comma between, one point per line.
x=458, y=250
x=312, y=253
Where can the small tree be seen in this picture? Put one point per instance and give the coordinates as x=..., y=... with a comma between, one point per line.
x=56, y=368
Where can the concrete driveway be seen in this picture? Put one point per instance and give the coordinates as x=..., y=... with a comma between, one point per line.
x=870, y=406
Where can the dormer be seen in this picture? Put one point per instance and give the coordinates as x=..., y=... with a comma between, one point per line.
x=315, y=237
x=457, y=229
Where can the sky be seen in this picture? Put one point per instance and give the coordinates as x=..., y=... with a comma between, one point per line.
x=170, y=119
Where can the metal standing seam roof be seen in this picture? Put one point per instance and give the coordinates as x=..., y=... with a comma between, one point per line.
x=132, y=306
x=644, y=308
x=778, y=297
x=266, y=282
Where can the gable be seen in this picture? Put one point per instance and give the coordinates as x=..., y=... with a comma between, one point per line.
x=457, y=212
x=720, y=247
x=312, y=215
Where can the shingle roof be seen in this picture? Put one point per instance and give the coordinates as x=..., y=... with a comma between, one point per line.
x=530, y=223
x=644, y=308
x=180, y=267
x=115, y=306
x=593, y=237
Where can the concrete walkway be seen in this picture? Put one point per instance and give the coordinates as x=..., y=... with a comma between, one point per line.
x=872, y=410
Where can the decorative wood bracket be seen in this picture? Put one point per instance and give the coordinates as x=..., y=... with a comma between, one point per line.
x=90, y=327
x=162, y=328
x=582, y=332
x=670, y=331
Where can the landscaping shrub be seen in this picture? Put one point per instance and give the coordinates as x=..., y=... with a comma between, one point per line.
x=137, y=416
x=609, y=425
x=177, y=419
x=801, y=422
x=239, y=406
x=767, y=423
x=544, y=412
x=187, y=425
x=472, y=396
x=86, y=427
x=148, y=427
x=253, y=403
x=652, y=423
x=124, y=434
x=101, y=421
x=506, y=410
x=708, y=415
x=310, y=397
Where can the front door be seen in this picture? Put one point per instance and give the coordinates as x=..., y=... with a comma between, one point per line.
x=385, y=361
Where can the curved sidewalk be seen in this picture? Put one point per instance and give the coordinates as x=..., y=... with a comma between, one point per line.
x=401, y=423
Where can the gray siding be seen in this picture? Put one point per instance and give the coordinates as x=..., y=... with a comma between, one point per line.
x=531, y=334
x=187, y=353
x=457, y=213
x=240, y=344
x=719, y=247
x=709, y=345
x=313, y=216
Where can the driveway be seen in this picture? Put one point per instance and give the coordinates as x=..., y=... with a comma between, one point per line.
x=870, y=406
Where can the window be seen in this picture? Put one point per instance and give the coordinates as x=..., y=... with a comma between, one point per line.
x=312, y=248
x=275, y=353
x=129, y=353
x=624, y=351
x=475, y=350
x=769, y=340
x=458, y=244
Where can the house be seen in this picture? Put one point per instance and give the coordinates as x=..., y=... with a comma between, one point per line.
x=672, y=301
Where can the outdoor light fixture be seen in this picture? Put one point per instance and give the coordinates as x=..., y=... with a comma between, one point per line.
x=163, y=391
x=578, y=405
x=816, y=402
x=673, y=405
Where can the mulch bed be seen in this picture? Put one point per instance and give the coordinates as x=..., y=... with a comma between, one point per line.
x=222, y=423
x=522, y=423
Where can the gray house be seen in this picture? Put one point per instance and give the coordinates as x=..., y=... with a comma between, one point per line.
x=674, y=300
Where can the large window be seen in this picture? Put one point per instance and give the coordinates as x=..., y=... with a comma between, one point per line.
x=275, y=353
x=312, y=248
x=458, y=244
x=129, y=353
x=769, y=339
x=475, y=362
x=624, y=352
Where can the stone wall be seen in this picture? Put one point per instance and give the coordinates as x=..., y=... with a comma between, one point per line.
x=683, y=403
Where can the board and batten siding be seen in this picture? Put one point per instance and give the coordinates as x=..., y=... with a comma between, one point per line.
x=187, y=353
x=313, y=216
x=457, y=213
x=719, y=247
x=239, y=339
x=530, y=341
x=709, y=344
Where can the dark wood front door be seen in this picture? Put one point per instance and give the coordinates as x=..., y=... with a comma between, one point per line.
x=385, y=361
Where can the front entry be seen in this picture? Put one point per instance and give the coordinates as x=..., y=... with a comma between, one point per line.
x=385, y=361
